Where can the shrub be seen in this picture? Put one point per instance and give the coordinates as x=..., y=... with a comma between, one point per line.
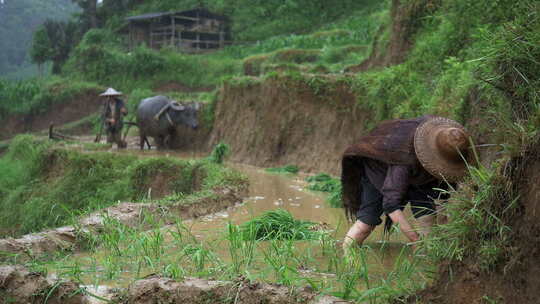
x=296, y=55
x=144, y=63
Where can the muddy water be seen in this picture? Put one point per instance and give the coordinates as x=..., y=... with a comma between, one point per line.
x=267, y=191
x=270, y=191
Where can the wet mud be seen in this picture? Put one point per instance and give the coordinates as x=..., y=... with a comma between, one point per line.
x=206, y=220
x=267, y=192
x=163, y=290
x=19, y=285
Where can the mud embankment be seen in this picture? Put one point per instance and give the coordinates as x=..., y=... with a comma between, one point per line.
x=129, y=214
x=19, y=285
x=516, y=276
x=76, y=108
x=283, y=121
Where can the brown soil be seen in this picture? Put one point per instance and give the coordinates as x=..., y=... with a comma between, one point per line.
x=18, y=285
x=180, y=87
x=287, y=122
x=160, y=185
x=129, y=214
x=77, y=108
x=163, y=290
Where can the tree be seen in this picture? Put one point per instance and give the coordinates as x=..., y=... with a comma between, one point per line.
x=19, y=19
x=54, y=41
x=41, y=50
x=89, y=13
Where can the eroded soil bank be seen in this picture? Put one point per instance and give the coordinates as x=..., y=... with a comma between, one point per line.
x=77, y=108
x=281, y=121
x=19, y=285
x=514, y=278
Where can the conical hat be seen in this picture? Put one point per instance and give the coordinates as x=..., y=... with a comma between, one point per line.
x=442, y=146
x=111, y=92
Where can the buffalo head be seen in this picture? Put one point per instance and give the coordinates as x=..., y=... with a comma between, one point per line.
x=184, y=114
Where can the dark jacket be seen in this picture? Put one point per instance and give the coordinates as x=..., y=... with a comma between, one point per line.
x=116, y=114
x=392, y=143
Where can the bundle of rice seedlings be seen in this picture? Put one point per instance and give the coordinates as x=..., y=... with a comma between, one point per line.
x=278, y=224
x=286, y=169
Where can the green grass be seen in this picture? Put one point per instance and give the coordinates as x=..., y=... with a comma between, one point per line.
x=36, y=96
x=45, y=186
x=219, y=153
x=325, y=183
x=290, y=169
x=479, y=218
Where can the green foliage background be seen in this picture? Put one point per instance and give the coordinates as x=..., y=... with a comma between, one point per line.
x=473, y=61
x=18, y=20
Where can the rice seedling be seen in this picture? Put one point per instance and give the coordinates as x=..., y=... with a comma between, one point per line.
x=281, y=258
x=278, y=224
x=323, y=182
x=292, y=169
x=241, y=249
x=219, y=153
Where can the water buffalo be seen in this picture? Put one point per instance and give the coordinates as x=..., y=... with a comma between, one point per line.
x=159, y=116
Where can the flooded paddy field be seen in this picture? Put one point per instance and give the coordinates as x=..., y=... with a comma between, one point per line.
x=152, y=239
x=211, y=246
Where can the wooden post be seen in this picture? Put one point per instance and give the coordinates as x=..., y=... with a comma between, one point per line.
x=173, y=21
x=180, y=38
x=198, y=29
x=221, y=39
x=151, y=35
x=130, y=36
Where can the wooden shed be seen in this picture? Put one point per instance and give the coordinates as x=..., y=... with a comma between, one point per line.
x=192, y=31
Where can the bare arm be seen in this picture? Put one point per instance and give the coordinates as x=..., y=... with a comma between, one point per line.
x=404, y=225
x=394, y=189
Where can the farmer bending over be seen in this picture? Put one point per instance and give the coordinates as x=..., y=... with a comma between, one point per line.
x=401, y=161
x=113, y=112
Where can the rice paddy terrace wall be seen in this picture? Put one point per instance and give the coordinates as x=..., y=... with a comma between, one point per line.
x=60, y=112
x=304, y=120
x=499, y=261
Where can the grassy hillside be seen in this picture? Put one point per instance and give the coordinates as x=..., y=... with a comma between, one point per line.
x=340, y=39
x=45, y=185
x=474, y=61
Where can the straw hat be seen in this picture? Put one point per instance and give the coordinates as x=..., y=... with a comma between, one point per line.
x=111, y=92
x=442, y=145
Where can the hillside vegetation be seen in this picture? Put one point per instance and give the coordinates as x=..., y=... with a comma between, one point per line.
x=474, y=61
x=18, y=21
x=46, y=185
